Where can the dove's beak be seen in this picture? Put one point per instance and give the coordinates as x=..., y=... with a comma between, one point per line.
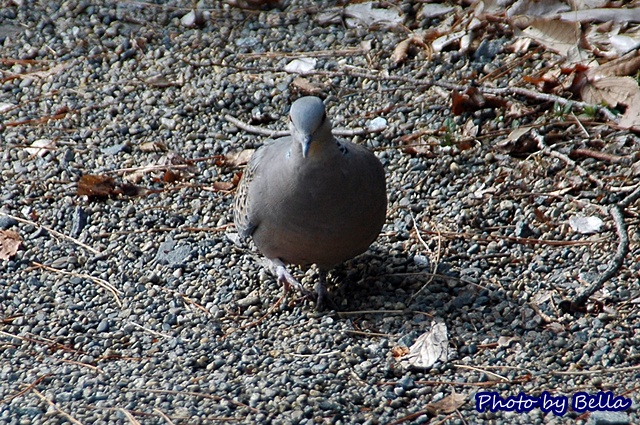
x=306, y=144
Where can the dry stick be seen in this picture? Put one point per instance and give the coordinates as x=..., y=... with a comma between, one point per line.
x=164, y=416
x=616, y=212
x=517, y=91
x=597, y=372
x=495, y=375
x=53, y=232
x=26, y=390
x=59, y=410
x=548, y=151
x=602, y=156
x=194, y=394
x=435, y=266
x=345, y=132
x=129, y=416
x=101, y=282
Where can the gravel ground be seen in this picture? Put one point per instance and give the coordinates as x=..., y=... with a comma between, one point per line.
x=189, y=333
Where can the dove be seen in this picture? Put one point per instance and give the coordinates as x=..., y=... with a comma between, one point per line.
x=309, y=198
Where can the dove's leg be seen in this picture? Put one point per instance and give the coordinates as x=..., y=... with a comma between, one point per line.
x=278, y=269
x=323, y=300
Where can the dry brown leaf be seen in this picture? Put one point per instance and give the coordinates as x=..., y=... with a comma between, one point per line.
x=401, y=51
x=628, y=64
x=631, y=117
x=223, y=186
x=10, y=242
x=505, y=341
x=236, y=159
x=447, y=405
x=153, y=147
x=473, y=100
x=424, y=149
x=399, y=351
x=161, y=81
x=98, y=186
x=559, y=36
x=610, y=91
x=440, y=43
x=306, y=86
x=101, y=186
x=171, y=176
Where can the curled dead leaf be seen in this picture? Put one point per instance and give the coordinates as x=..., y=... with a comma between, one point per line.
x=236, y=159
x=10, y=242
x=447, y=405
x=399, y=351
x=223, y=186
x=401, y=51
x=430, y=347
x=102, y=187
x=96, y=186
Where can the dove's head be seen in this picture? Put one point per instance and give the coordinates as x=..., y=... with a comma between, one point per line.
x=309, y=124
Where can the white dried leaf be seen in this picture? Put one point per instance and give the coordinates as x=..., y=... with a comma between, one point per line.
x=433, y=10
x=536, y=8
x=301, y=66
x=586, y=225
x=505, y=341
x=430, y=347
x=364, y=14
x=40, y=147
x=441, y=42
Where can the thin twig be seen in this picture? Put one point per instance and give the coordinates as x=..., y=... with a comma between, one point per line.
x=53, y=232
x=344, y=132
x=129, y=416
x=101, y=282
x=152, y=332
x=27, y=389
x=59, y=410
x=614, y=264
x=565, y=158
x=602, y=156
x=164, y=416
x=194, y=394
x=495, y=375
x=596, y=372
x=330, y=353
x=384, y=76
x=360, y=312
x=376, y=334
x=434, y=266
x=255, y=129
x=73, y=362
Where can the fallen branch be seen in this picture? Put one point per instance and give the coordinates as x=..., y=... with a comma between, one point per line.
x=55, y=406
x=565, y=158
x=53, y=232
x=617, y=214
x=344, y=132
x=101, y=282
x=383, y=76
